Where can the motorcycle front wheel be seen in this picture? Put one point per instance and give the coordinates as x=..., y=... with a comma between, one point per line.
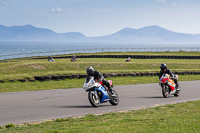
x=114, y=100
x=94, y=99
x=165, y=91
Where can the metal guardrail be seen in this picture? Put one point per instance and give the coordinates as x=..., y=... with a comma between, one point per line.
x=97, y=50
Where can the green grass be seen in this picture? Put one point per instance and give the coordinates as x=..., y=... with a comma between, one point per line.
x=27, y=69
x=178, y=118
x=78, y=83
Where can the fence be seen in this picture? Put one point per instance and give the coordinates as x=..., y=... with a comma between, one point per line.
x=97, y=50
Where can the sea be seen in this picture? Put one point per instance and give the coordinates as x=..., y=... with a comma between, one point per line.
x=33, y=48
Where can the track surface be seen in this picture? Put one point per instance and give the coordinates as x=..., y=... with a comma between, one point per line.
x=26, y=107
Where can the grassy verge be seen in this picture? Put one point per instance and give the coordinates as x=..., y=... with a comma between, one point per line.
x=78, y=83
x=27, y=69
x=181, y=117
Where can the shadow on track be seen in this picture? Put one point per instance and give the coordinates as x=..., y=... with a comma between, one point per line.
x=81, y=106
x=75, y=106
x=153, y=97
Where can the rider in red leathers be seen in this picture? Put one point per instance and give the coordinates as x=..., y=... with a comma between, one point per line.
x=164, y=69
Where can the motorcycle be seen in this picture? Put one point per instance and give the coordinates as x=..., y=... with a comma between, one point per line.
x=168, y=85
x=73, y=60
x=128, y=60
x=97, y=93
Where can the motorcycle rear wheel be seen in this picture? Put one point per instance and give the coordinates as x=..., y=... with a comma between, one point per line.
x=94, y=99
x=114, y=100
x=165, y=91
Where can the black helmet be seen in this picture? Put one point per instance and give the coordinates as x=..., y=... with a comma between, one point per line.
x=90, y=71
x=163, y=66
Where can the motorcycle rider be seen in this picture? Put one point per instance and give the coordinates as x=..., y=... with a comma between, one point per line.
x=73, y=58
x=163, y=70
x=128, y=60
x=99, y=77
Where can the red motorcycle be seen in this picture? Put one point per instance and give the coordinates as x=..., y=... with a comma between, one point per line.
x=168, y=86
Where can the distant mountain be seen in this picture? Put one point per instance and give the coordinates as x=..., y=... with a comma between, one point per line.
x=149, y=34
x=31, y=33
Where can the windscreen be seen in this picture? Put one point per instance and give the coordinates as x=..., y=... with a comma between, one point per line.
x=88, y=78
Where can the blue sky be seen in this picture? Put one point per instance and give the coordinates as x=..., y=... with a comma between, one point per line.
x=102, y=17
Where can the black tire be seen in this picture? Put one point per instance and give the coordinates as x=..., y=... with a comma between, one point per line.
x=114, y=100
x=165, y=91
x=94, y=99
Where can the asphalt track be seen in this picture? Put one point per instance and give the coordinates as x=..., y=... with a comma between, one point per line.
x=34, y=106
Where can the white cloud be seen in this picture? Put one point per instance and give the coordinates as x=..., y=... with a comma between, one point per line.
x=57, y=10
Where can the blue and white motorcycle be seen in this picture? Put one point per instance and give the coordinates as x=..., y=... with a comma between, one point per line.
x=97, y=93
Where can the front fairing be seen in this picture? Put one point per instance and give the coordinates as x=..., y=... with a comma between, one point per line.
x=90, y=84
x=165, y=80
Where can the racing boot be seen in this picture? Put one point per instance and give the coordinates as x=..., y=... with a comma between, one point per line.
x=110, y=92
x=177, y=87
